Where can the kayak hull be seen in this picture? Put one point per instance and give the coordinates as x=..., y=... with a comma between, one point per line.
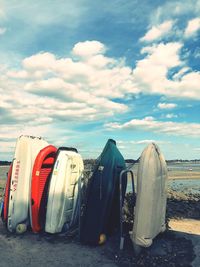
x=101, y=214
x=27, y=148
x=40, y=177
x=63, y=191
x=150, y=209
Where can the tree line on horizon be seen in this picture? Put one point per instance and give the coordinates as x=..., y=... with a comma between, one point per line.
x=131, y=161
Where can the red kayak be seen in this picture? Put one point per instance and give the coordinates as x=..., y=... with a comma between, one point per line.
x=6, y=196
x=40, y=177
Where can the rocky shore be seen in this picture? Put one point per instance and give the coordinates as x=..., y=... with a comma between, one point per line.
x=172, y=248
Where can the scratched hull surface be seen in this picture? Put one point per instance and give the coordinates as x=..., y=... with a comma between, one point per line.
x=150, y=209
x=26, y=150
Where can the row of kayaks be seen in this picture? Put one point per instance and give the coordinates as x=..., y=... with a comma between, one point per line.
x=42, y=187
x=44, y=191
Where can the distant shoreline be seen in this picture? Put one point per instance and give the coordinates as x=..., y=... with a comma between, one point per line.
x=4, y=163
x=184, y=178
x=131, y=161
x=186, y=173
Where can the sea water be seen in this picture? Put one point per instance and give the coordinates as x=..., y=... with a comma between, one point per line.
x=189, y=185
x=185, y=185
x=180, y=185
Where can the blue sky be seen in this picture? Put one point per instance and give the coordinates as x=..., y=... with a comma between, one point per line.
x=80, y=72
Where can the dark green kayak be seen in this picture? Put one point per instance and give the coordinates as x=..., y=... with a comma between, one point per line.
x=101, y=213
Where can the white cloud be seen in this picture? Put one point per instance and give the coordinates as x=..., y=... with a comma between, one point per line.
x=166, y=55
x=98, y=79
x=157, y=32
x=173, y=9
x=187, y=87
x=151, y=72
x=140, y=142
x=171, y=115
x=70, y=93
x=22, y=74
x=27, y=107
x=166, y=105
x=13, y=131
x=8, y=146
x=192, y=27
x=149, y=124
x=2, y=31
x=181, y=72
x=88, y=49
x=100, y=61
x=101, y=75
x=39, y=61
x=148, y=141
x=48, y=89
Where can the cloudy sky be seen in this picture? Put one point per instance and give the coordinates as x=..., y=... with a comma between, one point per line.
x=79, y=72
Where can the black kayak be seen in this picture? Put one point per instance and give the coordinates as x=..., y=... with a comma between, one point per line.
x=101, y=213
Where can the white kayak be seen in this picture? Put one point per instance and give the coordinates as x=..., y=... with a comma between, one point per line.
x=150, y=208
x=27, y=148
x=63, y=191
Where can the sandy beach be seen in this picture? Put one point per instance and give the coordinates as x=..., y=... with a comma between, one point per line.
x=178, y=246
x=180, y=170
